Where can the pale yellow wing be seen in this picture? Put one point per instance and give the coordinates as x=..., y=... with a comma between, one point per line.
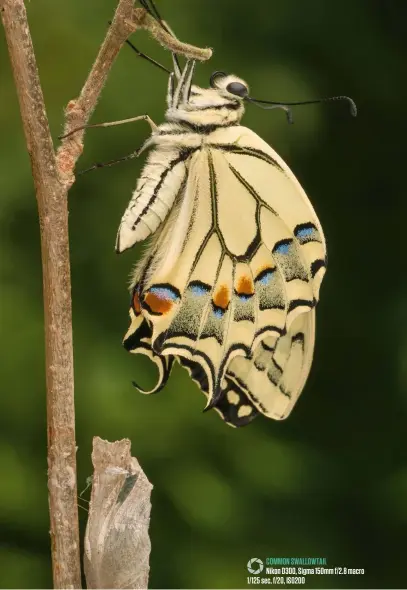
x=230, y=283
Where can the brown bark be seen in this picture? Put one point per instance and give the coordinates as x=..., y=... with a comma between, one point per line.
x=53, y=176
x=53, y=215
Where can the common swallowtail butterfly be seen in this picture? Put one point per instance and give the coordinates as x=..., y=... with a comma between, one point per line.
x=229, y=282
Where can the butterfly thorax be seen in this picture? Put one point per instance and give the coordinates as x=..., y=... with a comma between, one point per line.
x=206, y=108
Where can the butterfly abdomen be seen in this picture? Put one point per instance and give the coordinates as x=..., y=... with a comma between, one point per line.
x=160, y=182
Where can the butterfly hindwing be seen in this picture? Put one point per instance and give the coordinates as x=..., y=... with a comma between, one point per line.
x=230, y=282
x=138, y=341
x=273, y=377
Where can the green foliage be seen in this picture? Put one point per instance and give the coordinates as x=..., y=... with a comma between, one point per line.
x=331, y=481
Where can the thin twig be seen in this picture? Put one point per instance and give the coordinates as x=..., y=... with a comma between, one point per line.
x=51, y=196
x=79, y=110
x=53, y=213
x=143, y=20
x=126, y=20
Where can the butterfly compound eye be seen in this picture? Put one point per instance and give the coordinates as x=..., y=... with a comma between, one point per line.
x=237, y=88
x=214, y=77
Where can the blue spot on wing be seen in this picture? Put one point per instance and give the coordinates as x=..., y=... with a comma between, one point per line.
x=245, y=296
x=305, y=232
x=199, y=289
x=265, y=279
x=165, y=293
x=282, y=247
x=265, y=276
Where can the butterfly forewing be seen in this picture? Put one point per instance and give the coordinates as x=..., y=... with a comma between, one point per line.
x=229, y=283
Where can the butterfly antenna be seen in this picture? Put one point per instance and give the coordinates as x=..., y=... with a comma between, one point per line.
x=269, y=104
x=264, y=104
x=352, y=105
x=151, y=8
x=146, y=57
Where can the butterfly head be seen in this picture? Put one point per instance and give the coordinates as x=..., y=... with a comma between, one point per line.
x=222, y=104
x=229, y=86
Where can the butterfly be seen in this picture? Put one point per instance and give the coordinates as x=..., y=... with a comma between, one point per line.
x=230, y=279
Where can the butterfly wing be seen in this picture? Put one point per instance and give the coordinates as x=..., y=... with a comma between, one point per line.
x=275, y=374
x=138, y=341
x=270, y=181
x=230, y=283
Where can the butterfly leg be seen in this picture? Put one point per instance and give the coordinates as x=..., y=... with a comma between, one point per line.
x=134, y=154
x=171, y=90
x=112, y=123
x=177, y=69
x=182, y=92
x=151, y=8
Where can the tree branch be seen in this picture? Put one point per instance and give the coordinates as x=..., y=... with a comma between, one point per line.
x=78, y=112
x=53, y=176
x=53, y=214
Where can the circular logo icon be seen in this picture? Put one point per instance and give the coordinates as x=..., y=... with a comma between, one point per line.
x=255, y=565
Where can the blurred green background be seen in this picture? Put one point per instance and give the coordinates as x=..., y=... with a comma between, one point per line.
x=331, y=481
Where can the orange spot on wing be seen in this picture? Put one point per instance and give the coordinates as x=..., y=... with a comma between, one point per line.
x=136, y=304
x=245, y=286
x=221, y=298
x=157, y=304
